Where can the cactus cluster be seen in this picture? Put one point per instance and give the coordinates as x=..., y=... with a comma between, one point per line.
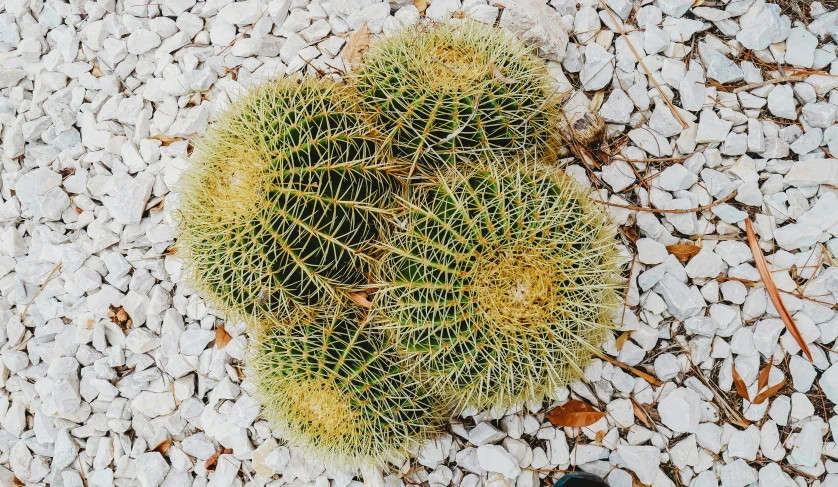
x=379, y=300
x=449, y=90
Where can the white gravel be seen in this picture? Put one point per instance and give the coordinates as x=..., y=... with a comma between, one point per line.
x=98, y=97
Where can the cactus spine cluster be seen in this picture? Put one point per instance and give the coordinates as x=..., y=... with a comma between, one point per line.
x=283, y=199
x=502, y=282
x=331, y=384
x=442, y=90
x=492, y=279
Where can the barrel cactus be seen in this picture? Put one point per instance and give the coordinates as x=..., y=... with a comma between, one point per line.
x=437, y=91
x=500, y=283
x=282, y=200
x=329, y=384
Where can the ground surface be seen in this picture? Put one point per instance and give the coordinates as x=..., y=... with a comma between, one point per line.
x=97, y=98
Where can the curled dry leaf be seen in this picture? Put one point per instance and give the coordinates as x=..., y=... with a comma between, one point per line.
x=356, y=46
x=421, y=6
x=683, y=252
x=762, y=396
x=621, y=340
x=499, y=76
x=163, y=447
x=741, y=388
x=575, y=414
x=222, y=338
x=771, y=288
x=640, y=414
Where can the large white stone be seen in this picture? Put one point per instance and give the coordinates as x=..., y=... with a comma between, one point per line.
x=719, y=67
x=494, y=458
x=644, y=461
x=597, y=67
x=126, y=196
x=538, y=25
x=813, y=172
x=762, y=25
x=781, y=102
x=680, y=411
x=151, y=469
x=800, y=48
x=806, y=450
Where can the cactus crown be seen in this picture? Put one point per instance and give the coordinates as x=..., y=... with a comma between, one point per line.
x=439, y=90
x=331, y=385
x=282, y=200
x=501, y=283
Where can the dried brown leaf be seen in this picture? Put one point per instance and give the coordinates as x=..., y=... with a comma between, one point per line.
x=360, y=299
x=599, y=437
x=763, y=377
x=421, y=6
x=641, y=414
x=357, y=45
x=741, y=388
x=165, y=139
x=771, y=288
x=574, y=413
x=163, y=447
x=499, y=76
x=213, y=460
x=222, y=338
x=16, y=482
x=683, y=252
x=621, y=340
x=762, y=396
x=643, y=375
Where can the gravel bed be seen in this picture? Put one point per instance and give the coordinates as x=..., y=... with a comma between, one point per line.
x=111, y=372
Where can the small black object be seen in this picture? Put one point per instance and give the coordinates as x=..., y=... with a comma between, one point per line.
x=580, y=479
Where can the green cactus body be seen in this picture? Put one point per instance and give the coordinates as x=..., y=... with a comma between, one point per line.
x=330, y=385
x=282, y=200
x=501, y=283
x=442, y=90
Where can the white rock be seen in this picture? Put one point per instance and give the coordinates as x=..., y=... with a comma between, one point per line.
x=194, y=341
x=650, y=141
x=597, y=67
x=441, y=9
x=681, y=410
x=812, y=172
x=494, y=458
x=154, y=404
x=242, y=13
x=642, y=460
x=680, y=299
x=617, y=109
x=762, y=25
x=807, y=142
x=618, y=175
x=484, y=434
x=800, y=48
x=781, y=102
x=142, y=40
x=538, y=25
x=808, y=444
x=676, y=177
x=127, y=196
x=802, y=373
x=151, y=469
x=711, y=128
x=829, y=383
x=738, y=474
x=674, y=8
x=719, y=67
x=744, y=444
